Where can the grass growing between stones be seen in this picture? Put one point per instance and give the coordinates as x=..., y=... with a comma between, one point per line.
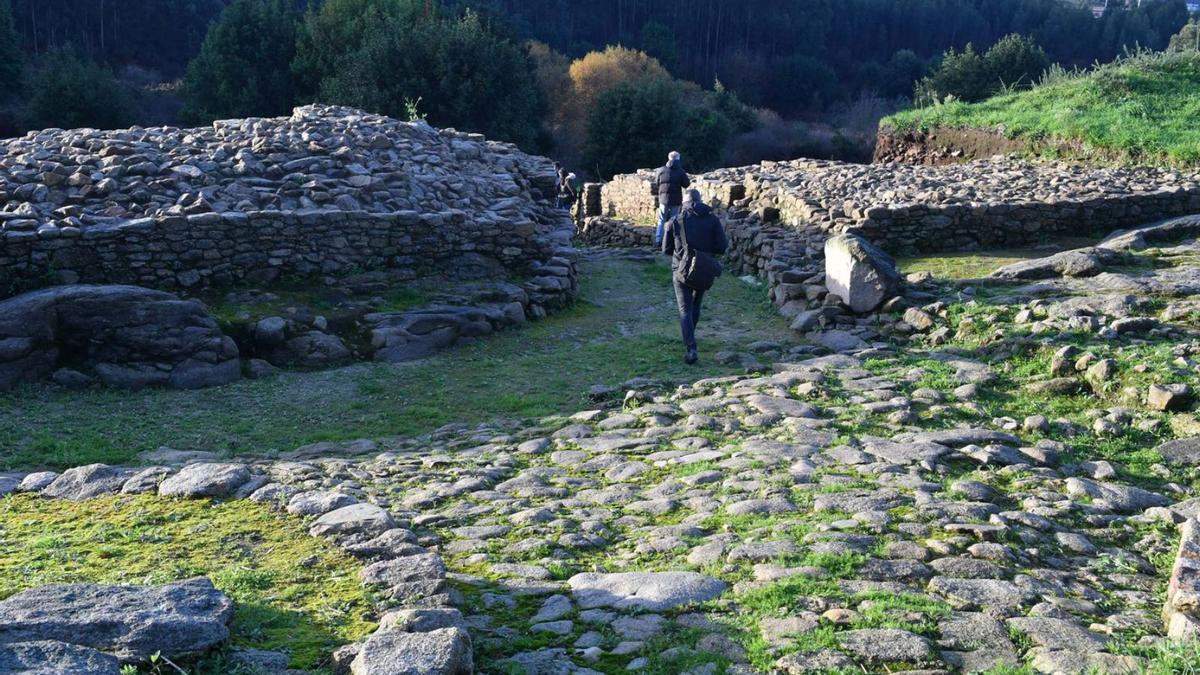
x=625, y=326
x=293, y=593
x=980, y=264
x=276, y=299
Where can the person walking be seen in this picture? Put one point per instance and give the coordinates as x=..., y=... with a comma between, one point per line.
x=667, y=187
x=567, y=193
x=693, y=239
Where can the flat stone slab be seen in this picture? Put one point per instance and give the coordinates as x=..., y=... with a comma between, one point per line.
x=130, y=622
x=50, y=657
x=443, y=651
x=787, y=407
x=981, y=593
x=957, y=438
x=366, y=520
x=854, y=501
x=1056, y=661
x=878, y=646
x=1058, y=634
x=652, y=591
x=1119, y=498
x=318, y=502
x=1181, y=452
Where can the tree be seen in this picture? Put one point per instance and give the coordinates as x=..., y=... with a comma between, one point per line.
x=334, y=29
x=1015, y=61
x=659, y=42
x=903, y=70
x=633, y=125
x=553, y=73
x=598, y=72
x=963, y=75
x=12, y=61
x=1187, y=39
x=243, y=69
x=463, y=74
x=727, y=103
x=801, y=83
x=702, y=137
x=68, y=91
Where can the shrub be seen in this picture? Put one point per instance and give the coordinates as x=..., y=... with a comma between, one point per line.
x=1187, y=39
x=334, y=29
x=1014, y=62
x=242, y=69
x=633, y=125
x=464, y=75
x=68, y=91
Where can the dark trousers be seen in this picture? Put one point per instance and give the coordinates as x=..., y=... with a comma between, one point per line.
x=688, y=300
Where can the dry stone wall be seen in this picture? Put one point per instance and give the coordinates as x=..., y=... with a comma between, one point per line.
x=903, y=208
x=192, y=251
x=325, y=191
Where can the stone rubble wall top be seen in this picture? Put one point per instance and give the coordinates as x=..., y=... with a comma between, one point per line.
x=328, y=190
x=903, y=207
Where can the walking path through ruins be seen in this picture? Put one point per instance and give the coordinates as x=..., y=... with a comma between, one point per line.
x=990, y=475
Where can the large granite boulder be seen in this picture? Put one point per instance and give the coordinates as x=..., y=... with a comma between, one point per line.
x=85, y=482
x=51, y=657
x=205, y=479
x=859, y=272
x=128, y=337
x=129, y=622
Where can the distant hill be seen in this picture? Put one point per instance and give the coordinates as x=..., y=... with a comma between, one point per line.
x=1142, y=108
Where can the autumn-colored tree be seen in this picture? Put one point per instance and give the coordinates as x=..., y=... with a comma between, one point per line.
x=599, y=72
x=591, y=77
x=553, y=72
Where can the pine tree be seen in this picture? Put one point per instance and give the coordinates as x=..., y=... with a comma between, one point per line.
x=244, y=65
x=12, y=61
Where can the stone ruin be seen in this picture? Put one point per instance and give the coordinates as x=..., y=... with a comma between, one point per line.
x=781, y=215
x=332, y=195
x=903, y=208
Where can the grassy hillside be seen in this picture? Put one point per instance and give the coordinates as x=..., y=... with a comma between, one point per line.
x=1140, y=108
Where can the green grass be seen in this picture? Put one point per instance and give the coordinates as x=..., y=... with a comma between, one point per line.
x=976, y=265
x=248, y=550
x=308, y=294
x=1142, y=108
x=624, y=326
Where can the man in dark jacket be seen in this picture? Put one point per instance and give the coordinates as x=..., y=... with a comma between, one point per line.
x=567, y=193
x=704, y=232
x=667, y=188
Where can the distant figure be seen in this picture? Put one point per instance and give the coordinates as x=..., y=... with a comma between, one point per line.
x=667, y=189
x=693, y=239
x=567, y=193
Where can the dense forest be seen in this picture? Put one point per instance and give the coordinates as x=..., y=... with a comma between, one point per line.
x=756, y=78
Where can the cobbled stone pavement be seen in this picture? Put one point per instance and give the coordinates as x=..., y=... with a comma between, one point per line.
x=806, y=549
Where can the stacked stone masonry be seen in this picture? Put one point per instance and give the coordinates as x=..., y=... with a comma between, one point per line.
x=904, y=208
x=183, y=252
x=326, y=191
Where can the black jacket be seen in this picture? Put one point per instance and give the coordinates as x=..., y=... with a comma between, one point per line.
x=704, y=233
x=669, y=183
x=566, y=189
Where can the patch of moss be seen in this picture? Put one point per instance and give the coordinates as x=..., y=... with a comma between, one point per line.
x=293, y=592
